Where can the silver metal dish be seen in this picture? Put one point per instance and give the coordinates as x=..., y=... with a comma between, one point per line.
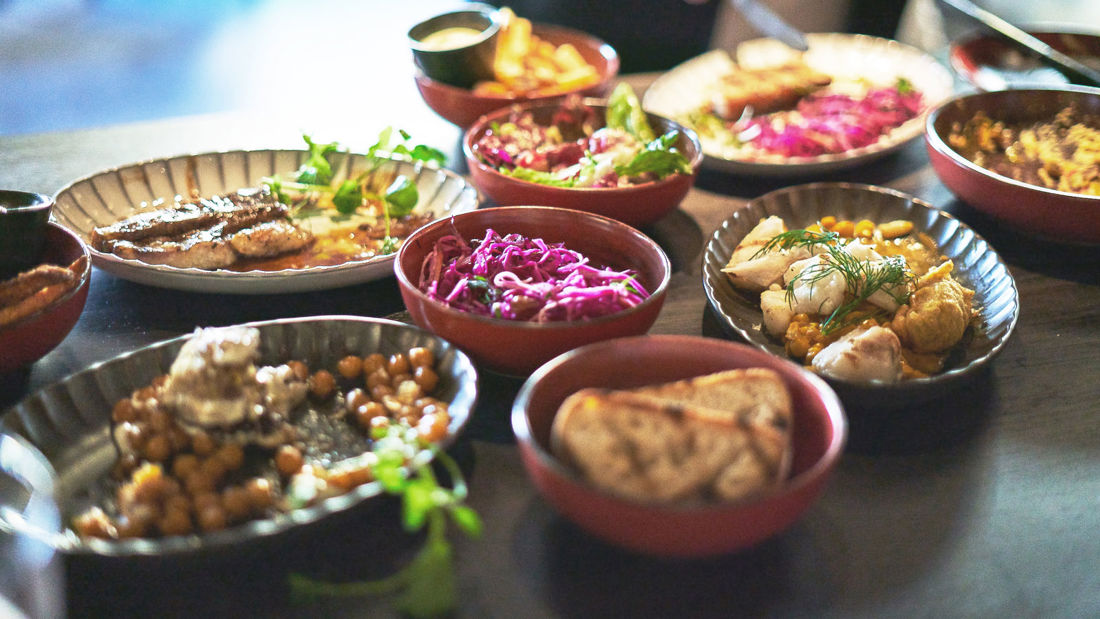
x=977, y=266
x=69, y=421
x=106, y=197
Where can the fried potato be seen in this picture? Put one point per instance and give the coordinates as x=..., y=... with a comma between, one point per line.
x=36, y=289
x=526, y=64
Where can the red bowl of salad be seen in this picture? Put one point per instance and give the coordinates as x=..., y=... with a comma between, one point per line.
x=514, y=287
x=605, y=157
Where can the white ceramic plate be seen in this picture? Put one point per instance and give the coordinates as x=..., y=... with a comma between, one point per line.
x=845, y=57
x=108, y=196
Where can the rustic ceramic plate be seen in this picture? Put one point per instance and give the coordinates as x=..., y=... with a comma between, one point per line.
x=111, y=195
x=843, y=56
x=69, y=422
x=977, y=266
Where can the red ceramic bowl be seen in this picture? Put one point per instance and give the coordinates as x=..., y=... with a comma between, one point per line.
x=29, y=339
x=820, y=431
x=462, y=107
x=514, y=347
x=990, y=63
x=1058, y=216
x=636, y=205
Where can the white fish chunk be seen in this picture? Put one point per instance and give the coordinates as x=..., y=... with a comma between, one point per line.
x=749, y=271
x=866, y=354
x=819, y=291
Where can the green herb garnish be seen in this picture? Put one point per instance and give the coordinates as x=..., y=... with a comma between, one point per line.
x=904, y=86
x=426, y=586
x=659, y=157
x=625, y=112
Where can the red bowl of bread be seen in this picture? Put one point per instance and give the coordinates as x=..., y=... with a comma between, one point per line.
x=517, y=347
x=636, y=204
x=678, y=446
x=463, y=106
x=39, y=306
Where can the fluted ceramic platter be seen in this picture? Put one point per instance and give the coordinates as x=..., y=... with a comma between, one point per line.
x=111, y=195
x=845, y=57
x=69, y=421
x=977, y=266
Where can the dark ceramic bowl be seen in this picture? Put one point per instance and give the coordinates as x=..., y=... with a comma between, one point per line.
x=636, y=205
x=977, y=266
x=460, y=65
x=820, y=431
x=515, y=347
x=462, y=106
x=1057, y=216
x=989, y=63
x=23, y=217
x=29, y=339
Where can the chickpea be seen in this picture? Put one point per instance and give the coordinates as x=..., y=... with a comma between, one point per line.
x=158, y=420
x=365, y=415
x=380, y=392
x=231, y=456
x=206, y=499
x=378, y=426
x=145, y=393
x=179, y=438
x=94, y=523
x=322, y=384
x=260, y=494
x=123, y=411
x=212, y=518
x=400, y=378
x=409, y=391
x=236, y=503
x=432, y=428
x=421, y=357
x=356, y=398
x=426, y=378
x=178, y=502
x=397, y=364
x=175, y=523
x=373, y=362
x=378, y=377
x=213, y=467
x=202, y=444
x=157, y=448
x=288, y=460
x=350, y=366
x=299, y=369
x=126, y=528
x=149, y=490
x=199, y=482
x=184, y=464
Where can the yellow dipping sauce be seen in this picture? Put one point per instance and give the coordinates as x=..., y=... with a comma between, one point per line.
x=450, y=38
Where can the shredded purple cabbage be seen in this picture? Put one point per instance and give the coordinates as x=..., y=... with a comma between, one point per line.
x=519, y=278
x=833, y=123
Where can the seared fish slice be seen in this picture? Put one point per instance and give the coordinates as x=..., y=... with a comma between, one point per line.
x=199, y=249
x=269, y=238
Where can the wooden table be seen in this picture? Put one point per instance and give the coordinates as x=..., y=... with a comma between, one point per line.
x=983, y=503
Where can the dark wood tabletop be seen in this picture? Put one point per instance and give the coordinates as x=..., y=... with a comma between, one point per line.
x=985, y=502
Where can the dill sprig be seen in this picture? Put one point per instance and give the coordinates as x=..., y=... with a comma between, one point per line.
x=798, y=238
x=862, y=278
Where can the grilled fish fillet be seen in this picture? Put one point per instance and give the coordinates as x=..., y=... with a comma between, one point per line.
x=764, y=90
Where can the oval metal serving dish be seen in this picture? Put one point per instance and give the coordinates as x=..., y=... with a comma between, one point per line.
x=69, y=421
x=977, y=266
x=106, y=197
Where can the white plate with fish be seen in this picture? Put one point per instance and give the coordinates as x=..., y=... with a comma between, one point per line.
x=107, y=198
x=874, y=74
x=975, y=266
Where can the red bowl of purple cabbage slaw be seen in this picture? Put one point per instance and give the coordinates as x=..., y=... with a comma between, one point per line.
x=635, y=204
x=522, y=342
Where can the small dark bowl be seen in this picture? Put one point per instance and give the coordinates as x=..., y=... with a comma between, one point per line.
x=989, y=63
x=637, y=205
x=464, y=65
x=516, y=347
x=820, y=431
x=462, y=106
x=1058, y=216
x=23, y=217
x=29, y=339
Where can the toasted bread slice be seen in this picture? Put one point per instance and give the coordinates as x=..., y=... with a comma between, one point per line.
x=649, y=449
x=754, y=397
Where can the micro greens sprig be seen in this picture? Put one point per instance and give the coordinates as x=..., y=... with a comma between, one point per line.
x=426, y=586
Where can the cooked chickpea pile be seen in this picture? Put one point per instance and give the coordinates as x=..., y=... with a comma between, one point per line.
x=179, y=481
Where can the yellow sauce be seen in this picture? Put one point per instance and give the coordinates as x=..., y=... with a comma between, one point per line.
x=450, y=38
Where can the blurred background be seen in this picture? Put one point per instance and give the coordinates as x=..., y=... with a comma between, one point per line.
x=67, y=64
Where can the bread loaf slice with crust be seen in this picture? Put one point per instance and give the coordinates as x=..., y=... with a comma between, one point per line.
x=684, y=447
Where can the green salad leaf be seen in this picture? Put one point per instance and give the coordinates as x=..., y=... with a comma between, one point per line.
x=660, y=157
x=536, y=176
x=624, y=111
